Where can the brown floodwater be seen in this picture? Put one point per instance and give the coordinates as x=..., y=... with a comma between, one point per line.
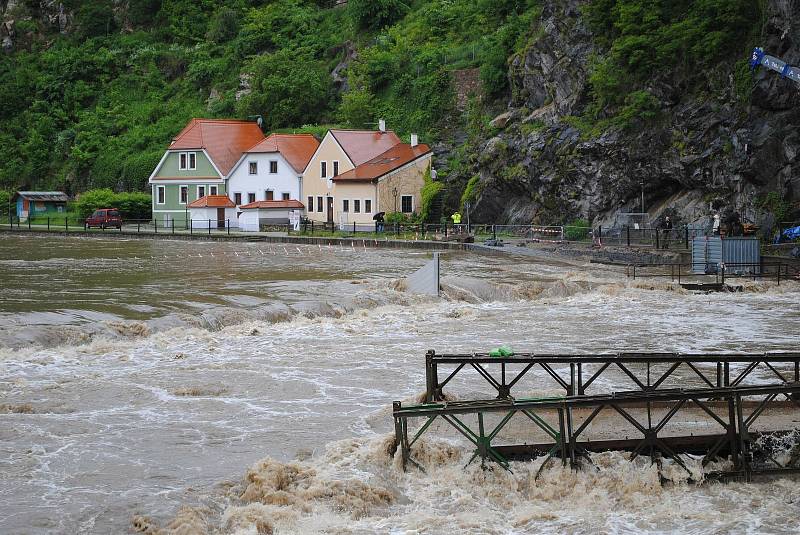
x=140, y=380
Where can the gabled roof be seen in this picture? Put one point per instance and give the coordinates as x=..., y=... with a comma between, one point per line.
x=273, y=204
x=212, y=201
x=52, y=196
x=223, y=139
x=363, y=145
x=384, y=163
x=297, y=149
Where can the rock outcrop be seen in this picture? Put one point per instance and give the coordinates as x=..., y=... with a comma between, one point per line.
x=716, y=149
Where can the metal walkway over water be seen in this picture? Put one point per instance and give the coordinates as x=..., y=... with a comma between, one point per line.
x=744, y=411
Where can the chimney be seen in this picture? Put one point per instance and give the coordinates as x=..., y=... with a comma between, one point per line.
x=382, y=125
x=414, y=140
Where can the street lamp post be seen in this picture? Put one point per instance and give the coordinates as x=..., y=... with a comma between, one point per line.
x=641, y=183
x=394, y=193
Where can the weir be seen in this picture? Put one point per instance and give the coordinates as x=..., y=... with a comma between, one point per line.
x=742, y=416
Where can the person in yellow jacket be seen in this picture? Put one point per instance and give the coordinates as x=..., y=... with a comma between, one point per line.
x=456, y=217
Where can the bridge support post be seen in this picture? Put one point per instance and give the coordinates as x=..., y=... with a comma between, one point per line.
x=431, y=378
x=743, y=435
x=400, y=436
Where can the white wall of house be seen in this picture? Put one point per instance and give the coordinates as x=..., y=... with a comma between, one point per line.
x=251, y=219
x=201, y=216
x=248, y=220
x=285, y=180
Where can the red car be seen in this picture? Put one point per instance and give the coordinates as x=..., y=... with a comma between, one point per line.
x=105, y=217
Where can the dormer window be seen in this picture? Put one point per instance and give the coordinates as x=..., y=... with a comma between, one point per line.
x=187, y=161
x=253, y=168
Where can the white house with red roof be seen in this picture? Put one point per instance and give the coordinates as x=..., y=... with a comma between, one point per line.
x=272, y=169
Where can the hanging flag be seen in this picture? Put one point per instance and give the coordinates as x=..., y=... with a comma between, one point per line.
x=774, y=64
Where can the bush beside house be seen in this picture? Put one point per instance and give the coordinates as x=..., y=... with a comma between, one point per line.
x=131, y=205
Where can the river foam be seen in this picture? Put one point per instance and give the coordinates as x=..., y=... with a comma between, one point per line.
x=144, y=413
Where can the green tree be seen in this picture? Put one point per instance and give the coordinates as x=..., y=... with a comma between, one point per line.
x=95, y=18
x=288, y=88
x=357, y=108
x=375, y=14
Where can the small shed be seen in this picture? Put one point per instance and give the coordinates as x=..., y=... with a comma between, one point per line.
x=39, y=203
x=740, y=254
x=259, y=213
x=215, y=211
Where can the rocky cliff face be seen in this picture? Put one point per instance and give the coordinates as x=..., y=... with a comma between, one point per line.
x=47, y=15
x=712, y=149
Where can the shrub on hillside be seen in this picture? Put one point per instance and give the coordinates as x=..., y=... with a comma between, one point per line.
x=131, y=205
x=576, y=230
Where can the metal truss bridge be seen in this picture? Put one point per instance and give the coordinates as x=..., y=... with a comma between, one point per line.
x=741, y=409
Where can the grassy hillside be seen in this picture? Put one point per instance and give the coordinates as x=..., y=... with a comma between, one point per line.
x=96, y=106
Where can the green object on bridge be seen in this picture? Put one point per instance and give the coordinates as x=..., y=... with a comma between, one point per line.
x=502, y=351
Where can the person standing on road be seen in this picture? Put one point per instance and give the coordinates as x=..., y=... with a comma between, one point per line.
x=667, y=231
x=456, y=217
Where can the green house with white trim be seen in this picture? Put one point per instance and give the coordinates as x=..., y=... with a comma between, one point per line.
x=196, y=164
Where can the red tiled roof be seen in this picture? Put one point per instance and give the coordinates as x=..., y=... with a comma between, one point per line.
x=363, y=145
x=296, y=148
x=225, y=140
x=212, y=201
x=392, y=159
x=273, y=204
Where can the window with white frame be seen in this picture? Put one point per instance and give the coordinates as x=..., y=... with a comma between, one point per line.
x=161, y=195
x=273, y=167
x=237, y=198
x=357, y=206
x=310, y=205
x=407, y=204
x=201, y=191
x=323, y=169
x=187, y=161
x=212, y=190
x=319, y=204
x=251, y=197
x=367, y=206
x=253, y=168
x=184, y=194
x=269, y=195
x=286, y=195
x=335, y=168
x=345, y=205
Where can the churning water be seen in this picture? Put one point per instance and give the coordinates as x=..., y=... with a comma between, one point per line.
x=192, y=387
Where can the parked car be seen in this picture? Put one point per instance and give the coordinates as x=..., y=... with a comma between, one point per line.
x=105, y=217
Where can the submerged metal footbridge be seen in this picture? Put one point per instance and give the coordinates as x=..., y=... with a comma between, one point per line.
x=738, y=413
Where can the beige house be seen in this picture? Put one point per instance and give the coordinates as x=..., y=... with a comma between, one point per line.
x=355, y=174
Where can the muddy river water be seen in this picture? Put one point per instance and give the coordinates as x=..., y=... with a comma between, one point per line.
x=199, y=387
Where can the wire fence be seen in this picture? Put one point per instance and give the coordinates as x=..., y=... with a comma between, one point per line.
x=676, y=238
x=144, y=226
